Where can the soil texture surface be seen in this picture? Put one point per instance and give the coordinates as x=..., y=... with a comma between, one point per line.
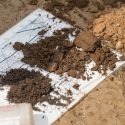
x=106, y=104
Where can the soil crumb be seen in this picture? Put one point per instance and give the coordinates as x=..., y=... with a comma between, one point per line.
x=111, y=27
x=57, y=54
x=29, y=90
x=76, y=86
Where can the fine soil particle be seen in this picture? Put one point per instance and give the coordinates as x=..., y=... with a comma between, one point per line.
x=69, y=92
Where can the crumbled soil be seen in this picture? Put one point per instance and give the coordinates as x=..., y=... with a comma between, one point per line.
x=34, y=90
x=111, y=27
x=33, y=2
x=46, y=55
x=29, y=90
x=58, y=8
x=67, y=57
x=16, y=75
x=100, y=54
x=30, y=87
x=74, y=63
x=105, y=60
x=69, y=92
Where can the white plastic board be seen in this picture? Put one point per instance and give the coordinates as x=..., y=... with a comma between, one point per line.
x=26, y=31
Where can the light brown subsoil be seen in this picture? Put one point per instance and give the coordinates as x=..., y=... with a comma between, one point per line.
x=111, y=27
x=103, y=106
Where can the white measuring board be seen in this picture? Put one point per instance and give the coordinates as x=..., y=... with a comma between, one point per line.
x=26, y=31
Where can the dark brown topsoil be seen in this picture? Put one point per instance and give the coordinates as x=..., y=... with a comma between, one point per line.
x=35, y=90
x=16, y=75
x=57, y=54
x=30, y=87
x=58, y=8
x=46, y=55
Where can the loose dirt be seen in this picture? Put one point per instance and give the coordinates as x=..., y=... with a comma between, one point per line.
x=100, y=54
x=30, y=87
x=29, y=90
x=15, y=75
x=104, y=105
x=57, y=54
x=104, y=58
x=112, y=28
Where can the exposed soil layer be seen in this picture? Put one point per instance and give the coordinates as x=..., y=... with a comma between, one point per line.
x=111, y=27
x=30, y=87
x=85, y=10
